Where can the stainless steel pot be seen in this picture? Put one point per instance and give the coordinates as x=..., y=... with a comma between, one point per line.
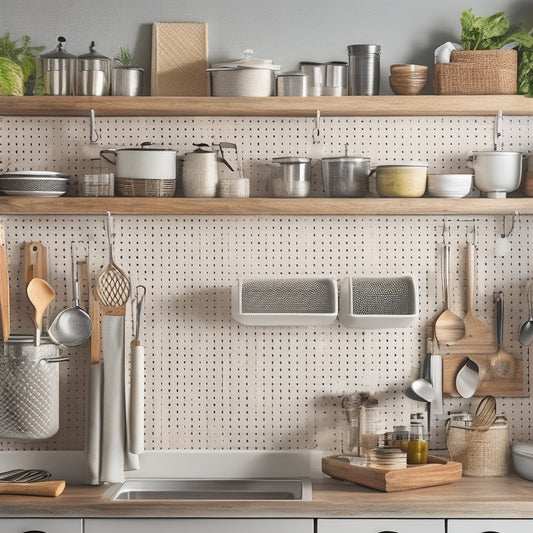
x=346, y=177
x=94, y=73
x=127, y=81
x=290, y=177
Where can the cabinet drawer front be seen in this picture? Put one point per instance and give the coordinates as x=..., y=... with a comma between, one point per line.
x=484, y=526
x=46, y=525
x=379, y=525
x=198, y=525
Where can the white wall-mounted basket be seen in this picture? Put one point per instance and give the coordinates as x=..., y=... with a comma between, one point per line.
x=378, y=302
x=285, y=302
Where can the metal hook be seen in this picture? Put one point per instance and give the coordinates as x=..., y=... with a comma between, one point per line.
x=138, y=301
x=506, y=235
x=498, y=132
x=317, y=134
x=93, y=132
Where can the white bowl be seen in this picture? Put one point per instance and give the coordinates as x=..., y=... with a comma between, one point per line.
x=450, y=185
x=522, y=453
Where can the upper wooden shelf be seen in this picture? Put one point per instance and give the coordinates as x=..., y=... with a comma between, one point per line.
x=420, y=105
x=264, y=206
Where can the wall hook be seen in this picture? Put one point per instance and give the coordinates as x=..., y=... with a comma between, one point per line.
x=500, y=248
x=93, y=132
x=317, y=132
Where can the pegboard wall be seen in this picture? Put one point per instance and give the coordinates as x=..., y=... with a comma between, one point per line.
x=214, y=384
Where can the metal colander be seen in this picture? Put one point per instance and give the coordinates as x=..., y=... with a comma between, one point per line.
x=29, y=389
x=378, y=302
x=285, y=301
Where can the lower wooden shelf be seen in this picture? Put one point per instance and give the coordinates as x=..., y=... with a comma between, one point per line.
x=11, y=205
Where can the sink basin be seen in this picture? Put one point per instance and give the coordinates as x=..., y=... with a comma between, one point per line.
x=211, y=489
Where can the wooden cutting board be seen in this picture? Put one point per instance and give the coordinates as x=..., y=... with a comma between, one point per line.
x=179, y=59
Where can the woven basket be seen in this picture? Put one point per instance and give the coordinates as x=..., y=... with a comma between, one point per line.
x=483, y=453
x=145, y=187
x=477, y=72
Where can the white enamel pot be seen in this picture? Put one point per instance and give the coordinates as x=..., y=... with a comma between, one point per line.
x=142, y=163
x=497, y=173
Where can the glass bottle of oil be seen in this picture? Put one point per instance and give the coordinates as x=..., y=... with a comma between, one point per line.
x=417, y=447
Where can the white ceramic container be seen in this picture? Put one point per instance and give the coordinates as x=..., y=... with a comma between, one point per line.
x=450, y=185
x=142, y=163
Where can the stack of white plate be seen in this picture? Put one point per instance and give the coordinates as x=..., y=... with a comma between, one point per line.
x=33, y=183
x=389, y=458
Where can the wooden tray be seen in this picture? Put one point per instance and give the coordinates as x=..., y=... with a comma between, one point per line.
x=437, y=472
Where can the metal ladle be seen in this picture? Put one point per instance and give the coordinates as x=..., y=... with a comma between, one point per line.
x=72, y=326
x=421, y=390
x=526, y=331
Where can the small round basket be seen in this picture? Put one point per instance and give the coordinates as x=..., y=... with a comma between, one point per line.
x=145, y=187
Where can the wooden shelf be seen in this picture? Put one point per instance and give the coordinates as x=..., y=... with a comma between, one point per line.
x=264, y=206
x=420, y=105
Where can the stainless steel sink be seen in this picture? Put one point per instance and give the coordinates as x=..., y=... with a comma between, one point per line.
x=211, y=489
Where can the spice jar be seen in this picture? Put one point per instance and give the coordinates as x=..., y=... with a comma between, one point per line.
x=417, y=447
x=399, y=438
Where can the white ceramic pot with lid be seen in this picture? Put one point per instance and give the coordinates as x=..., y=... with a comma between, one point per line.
x=497, y=173
x=145, y=162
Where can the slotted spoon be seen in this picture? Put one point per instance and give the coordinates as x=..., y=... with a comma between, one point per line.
x=113, y=285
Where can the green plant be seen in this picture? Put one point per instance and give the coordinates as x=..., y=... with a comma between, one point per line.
x=22, y=53
x=124, y=58
x=495, y=31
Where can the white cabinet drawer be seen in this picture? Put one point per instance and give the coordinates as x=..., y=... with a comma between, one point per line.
x=488, y=525
x=46, y=525
x=380, y=525
x=198, y=525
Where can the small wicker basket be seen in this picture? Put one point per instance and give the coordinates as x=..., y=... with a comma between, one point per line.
x=145, y=187
x=477, y=72
x=483, y=453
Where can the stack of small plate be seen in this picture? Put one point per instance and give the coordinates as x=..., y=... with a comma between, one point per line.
x=389, y=458
x=33, y=183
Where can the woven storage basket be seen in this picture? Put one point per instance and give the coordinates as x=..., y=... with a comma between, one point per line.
x=145, y=187
x=478, y=72
x=483, y=453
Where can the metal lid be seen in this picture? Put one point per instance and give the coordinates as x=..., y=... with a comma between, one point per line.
x=293, y=73
x=59, y=52
x=364, y=49
x=290, y=160
x=92, y=60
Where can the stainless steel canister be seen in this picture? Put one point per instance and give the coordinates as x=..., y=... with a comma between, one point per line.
x=346, y=177
x=290, y=177
x=363, y=69
x=58, y=69
x=94, y=74
x=317, y=76
x=336, y=78
x=292, y=84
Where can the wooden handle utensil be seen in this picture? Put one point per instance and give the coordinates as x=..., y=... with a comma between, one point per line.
x=35, y=262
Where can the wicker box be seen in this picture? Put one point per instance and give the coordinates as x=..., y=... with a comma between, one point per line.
x=477, y=72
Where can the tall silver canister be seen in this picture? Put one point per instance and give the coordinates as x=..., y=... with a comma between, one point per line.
x=94, y=71
x=363, y=69
x=58, y=69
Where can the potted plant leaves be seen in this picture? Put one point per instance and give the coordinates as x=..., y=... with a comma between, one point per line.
x=18, y=66
x=126, y=75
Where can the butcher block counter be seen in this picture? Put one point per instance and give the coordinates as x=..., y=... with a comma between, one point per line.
x=509, y=497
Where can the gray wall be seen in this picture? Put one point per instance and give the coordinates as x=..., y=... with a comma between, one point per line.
x=286, y=31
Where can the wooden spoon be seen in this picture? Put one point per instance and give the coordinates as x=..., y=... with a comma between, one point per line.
x=485, y=413
x=501, y=362
x=41, y=295
x=449, y=327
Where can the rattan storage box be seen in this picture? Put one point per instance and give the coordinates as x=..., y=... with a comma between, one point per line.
x=477, y=72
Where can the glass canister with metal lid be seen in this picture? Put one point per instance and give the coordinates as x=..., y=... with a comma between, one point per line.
x=58, y=69
x=94, y=71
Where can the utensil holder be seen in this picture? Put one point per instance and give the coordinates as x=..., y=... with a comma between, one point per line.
x=285, y=302
x=29, y=389
x=483, y=453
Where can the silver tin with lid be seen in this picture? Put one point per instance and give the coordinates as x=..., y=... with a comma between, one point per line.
x=58, y=69
x=294, y=83
x=363, y=69
x=94, y=70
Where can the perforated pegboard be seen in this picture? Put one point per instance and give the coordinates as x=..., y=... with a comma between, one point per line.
x=212, y=383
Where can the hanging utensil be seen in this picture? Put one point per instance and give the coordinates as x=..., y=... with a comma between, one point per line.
x=467, y=379
x=35, y=261
x=72, y=326
x=526, y=331
x=137, y=378
x=40, y=294
x=449, y=327
x=485, y=414
x=501, y=362
x=4, y=288
x=113, y=286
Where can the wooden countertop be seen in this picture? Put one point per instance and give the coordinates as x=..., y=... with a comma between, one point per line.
x=509, y=497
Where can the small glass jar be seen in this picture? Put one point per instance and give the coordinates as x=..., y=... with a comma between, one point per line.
x=399, y=438
x=417, y=447
x=350, y=437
